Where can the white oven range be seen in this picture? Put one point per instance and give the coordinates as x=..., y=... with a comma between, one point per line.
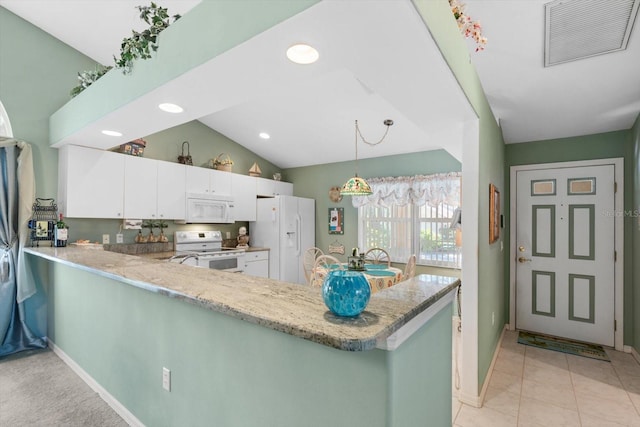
x=204, y=249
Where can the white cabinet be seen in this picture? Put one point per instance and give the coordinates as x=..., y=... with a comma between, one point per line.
x=153, y=189
x=140, y=187
x=171, y=195
x=270, y=188
x=90, y=183
x=243, y=189
x=256, y=263
x=203, y=180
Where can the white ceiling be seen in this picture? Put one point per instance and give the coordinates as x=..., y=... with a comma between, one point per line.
x=369, y=71
x=588, y=96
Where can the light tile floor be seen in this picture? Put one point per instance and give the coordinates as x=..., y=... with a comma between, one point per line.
x=542, y=388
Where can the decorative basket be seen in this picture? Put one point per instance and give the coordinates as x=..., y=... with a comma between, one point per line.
x=223, y=162
x=134, y=148
x=185, y=159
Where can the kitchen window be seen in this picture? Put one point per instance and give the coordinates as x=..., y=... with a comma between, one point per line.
x=407, y=215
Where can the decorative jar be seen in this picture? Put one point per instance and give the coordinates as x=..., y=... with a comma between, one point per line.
x=346, y=293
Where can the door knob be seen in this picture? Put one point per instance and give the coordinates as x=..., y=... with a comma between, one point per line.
x=523, y=259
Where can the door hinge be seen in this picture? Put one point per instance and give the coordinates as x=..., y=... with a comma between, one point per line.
x=615, y=187
x=615, y=256
x=615, y=325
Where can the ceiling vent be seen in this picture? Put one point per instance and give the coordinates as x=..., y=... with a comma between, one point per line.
x=577, y=29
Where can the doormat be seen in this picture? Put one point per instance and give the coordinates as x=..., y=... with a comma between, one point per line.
x=547, y=342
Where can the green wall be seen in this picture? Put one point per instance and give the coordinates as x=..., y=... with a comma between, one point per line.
x=589, y=147
x=634, y=228
x=491, y=297
x=233, y=373
x=315, y=182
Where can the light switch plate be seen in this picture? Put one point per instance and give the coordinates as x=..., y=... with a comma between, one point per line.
x=119, y=238
x=105, y=239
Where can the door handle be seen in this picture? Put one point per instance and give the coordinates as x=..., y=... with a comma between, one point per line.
x=523, y=259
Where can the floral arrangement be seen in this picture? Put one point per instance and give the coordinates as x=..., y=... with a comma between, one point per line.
x=468, y=27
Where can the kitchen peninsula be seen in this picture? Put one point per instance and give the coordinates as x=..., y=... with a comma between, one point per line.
x=244, y=350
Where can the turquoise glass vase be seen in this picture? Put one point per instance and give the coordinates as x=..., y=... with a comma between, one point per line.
x=345, y=292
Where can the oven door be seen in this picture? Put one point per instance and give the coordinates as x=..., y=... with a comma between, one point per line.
x=233, y=263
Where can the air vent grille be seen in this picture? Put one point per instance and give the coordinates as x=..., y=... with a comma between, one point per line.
x=577, y=29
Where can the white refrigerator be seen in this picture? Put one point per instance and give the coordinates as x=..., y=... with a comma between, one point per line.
x=285, y=225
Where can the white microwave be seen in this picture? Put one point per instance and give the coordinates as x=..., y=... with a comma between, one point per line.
x=204, y=208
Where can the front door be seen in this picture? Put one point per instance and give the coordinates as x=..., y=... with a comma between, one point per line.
x=565, y=252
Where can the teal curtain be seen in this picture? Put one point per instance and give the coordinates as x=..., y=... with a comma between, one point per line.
x=15, y=335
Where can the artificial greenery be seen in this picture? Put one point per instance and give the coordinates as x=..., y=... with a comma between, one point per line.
x=141, y=45
x=138, y=46
x=86, y=79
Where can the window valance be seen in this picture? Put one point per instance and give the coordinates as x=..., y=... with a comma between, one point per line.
x=419, y=190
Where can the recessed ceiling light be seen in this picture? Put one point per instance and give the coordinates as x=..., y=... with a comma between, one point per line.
x=302, y=54
x=111, y=133
x=264, y=135
x=170, y=108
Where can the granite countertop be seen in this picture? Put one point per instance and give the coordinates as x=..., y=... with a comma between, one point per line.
x=290, y=308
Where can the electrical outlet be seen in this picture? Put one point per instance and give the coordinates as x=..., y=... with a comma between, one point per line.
x=105, y=239
x=119, y=238
x=166, y=379
x=493, y=318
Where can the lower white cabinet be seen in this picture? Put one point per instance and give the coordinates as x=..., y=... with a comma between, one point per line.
x=256, y=263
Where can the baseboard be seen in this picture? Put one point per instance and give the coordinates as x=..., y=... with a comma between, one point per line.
x=632, y=350
x=477, y=401
x=120, y=409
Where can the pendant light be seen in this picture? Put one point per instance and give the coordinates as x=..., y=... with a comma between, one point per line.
x=357, y=186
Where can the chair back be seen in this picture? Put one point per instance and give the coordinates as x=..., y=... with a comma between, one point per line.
x=410, y=268
x=308, y=261
x=323, y=265
x=377, y=256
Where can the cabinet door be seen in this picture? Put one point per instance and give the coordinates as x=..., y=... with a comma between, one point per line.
x=243, y=190
x=257, y=264
x=220, y=182
x=265, y=187
x=140, y=188
x=197, y=180
x=90, y=183
x=282, y=188
x=171, y=190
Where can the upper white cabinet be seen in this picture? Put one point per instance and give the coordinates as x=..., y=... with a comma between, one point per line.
x=154, y=189
x=95, y=183
x=204, y=180
x=140, y=187
x=243, y=189
x=90, y=183
x=171, y=190
x=271, y=188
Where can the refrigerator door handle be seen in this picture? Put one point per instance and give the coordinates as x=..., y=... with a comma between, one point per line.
x=299, y=234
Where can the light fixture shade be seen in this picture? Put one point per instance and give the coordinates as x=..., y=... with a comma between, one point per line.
x=356, y=186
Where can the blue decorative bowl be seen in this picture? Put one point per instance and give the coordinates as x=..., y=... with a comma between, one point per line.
x=345, y=292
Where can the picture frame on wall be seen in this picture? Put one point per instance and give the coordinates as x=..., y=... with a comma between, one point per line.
x=494, y=213
x=336, y=220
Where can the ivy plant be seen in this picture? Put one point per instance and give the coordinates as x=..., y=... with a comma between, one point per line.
x=141, y=45
x=87, y=78
x=138, y=46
